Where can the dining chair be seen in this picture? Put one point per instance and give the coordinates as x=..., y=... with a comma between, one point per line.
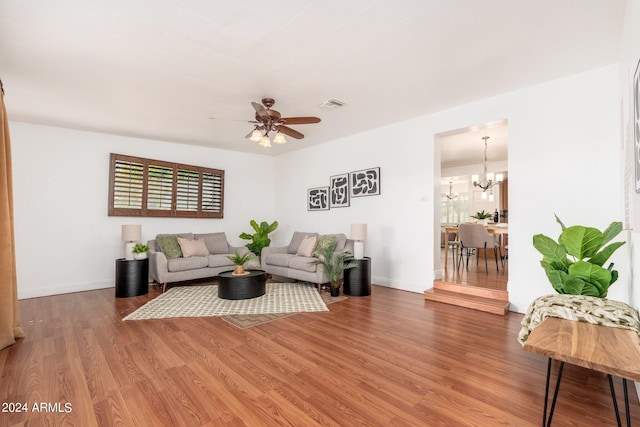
x=454, y=244
x=476, y=236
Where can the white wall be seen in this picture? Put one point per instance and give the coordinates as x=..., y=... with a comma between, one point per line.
x=65, y=242
x=629, y=59
x=563, y=159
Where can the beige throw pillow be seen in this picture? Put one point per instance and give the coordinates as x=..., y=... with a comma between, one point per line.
x=194, y=247
x=307, y=246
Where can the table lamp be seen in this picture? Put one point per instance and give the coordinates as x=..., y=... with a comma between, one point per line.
x=131, y=234
x=359, y=234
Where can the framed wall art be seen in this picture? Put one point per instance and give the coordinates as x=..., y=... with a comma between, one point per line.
x=365, y=182
x=635, y=100
x=318, y=199
x=339, y=191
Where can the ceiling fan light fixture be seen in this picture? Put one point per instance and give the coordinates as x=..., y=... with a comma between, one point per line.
x=265, y=142
x=279, y=138
x=256, y=136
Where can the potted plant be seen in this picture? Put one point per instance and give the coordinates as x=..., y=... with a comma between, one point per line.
x=239, y=260
x=259, y=239
x=334, y=263
x=574, y=264
x=140, y=251
x=483, y=216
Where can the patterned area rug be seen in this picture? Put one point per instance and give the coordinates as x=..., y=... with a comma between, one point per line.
x=244, y=321
x=203, y=301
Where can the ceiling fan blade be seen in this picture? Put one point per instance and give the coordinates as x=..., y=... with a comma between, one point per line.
x=262, y=112
x=299, y=120
x=292, y=133
x=233, y=120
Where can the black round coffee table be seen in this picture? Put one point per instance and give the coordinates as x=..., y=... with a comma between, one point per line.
x=241, y=287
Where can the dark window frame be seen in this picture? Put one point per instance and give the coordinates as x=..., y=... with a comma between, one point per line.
x=143, y=187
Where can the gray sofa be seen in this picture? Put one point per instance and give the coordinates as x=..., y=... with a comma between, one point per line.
x=163, y=270
x=284, y=261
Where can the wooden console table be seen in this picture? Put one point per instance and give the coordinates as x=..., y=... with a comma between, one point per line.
x=613, y=351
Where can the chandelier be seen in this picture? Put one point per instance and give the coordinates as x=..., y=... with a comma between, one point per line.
x=487, y=182
x=263, y=139
x=451, y=196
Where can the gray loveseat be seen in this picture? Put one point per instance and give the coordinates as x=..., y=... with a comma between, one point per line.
x=163, y=270
x=286, y=262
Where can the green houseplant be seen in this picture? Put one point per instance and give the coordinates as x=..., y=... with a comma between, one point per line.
x=140, y=250
x=239, y=260
x=259, y=239
x=334, y=263
x=482, y=215
x=574, y=264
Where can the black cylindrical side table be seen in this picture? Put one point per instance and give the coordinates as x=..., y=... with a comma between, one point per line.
x=132, y=277
x=357, y=280
x=251, y=285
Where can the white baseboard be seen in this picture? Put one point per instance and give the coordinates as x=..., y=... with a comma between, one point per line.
x=54, y=289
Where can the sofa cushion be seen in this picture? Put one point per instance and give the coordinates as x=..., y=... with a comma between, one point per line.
x=183, y=264
x=296, y=240
x=183, y=235
x=281, y=260
x=303, y=263
x=168, y=244
x=195, y=247
x=216, y=242
x=307, y=246
x=220, y=260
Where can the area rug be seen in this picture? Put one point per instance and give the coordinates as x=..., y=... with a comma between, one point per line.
x=203, y=301
x=244, y=321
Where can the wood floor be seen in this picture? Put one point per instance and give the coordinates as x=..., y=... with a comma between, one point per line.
x=391, y=359
x=476, y=274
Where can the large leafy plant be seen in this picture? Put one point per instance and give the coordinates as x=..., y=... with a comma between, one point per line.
x=334, y=263
x=259, y=239
x=574, y=264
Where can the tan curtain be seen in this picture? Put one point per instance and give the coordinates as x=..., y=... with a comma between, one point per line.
x=9, y=318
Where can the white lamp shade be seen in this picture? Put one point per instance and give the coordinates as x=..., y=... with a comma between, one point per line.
x=265, y=142
x=131, y=232
x=475, y=178
x=359, y=231
x=499, y=177
x=256, y=136
x=279, y=138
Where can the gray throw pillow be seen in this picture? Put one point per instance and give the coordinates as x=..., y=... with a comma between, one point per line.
x=169, y=246
x=216, y=242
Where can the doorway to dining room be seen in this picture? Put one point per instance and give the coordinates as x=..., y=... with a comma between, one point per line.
x=472, y=179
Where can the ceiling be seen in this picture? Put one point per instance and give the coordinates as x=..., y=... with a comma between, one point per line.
x=161, y=69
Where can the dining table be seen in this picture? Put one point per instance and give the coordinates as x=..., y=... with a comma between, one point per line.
x=501, y=228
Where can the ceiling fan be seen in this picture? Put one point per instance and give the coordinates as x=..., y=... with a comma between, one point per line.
x=268, y=120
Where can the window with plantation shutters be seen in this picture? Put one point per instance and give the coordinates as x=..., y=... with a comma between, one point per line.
x=145, y=187
x=212, y=186
x=188, y=190
x=159, y=187
x=128, y=181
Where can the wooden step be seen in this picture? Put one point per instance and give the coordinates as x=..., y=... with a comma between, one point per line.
x=489, y=305
x=492, y=293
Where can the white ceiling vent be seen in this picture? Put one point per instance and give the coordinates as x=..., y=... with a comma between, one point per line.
x=332, y=103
